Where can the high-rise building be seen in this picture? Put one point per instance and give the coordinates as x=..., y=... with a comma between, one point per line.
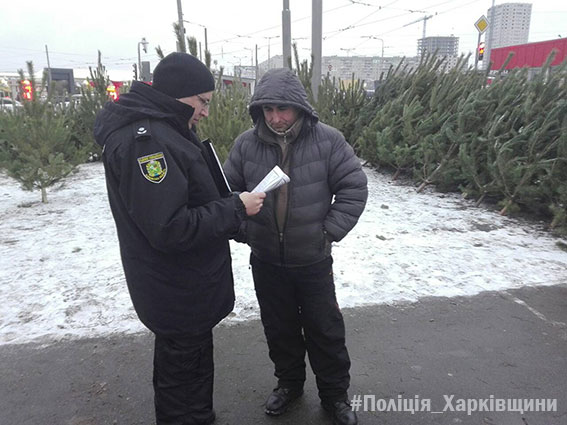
x=508, y=25
x=447, y=47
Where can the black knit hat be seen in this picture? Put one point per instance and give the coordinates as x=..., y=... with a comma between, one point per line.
x=182, y=75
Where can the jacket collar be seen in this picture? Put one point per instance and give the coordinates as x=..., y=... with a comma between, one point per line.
x=269, y=135
x=176, y=113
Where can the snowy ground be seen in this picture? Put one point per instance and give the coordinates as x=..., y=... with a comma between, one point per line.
x=60, y=271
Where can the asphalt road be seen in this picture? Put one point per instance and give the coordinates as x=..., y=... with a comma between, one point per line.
x=495, y=346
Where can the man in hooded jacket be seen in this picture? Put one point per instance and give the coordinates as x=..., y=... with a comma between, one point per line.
x=291, y=238
x=173, y=228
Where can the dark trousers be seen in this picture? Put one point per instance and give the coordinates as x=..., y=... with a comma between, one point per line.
x=299, y=311
x=183, y=379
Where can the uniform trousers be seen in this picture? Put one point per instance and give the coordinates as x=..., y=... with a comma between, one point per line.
x=183, y=379
x=300, y=314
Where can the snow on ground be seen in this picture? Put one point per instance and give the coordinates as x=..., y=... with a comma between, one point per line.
x=61, y=276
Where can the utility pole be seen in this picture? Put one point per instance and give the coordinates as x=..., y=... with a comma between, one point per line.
x=269, y=44
x=251, y=55
x=316, y=44
x=206, y=43
x=381, y=41
x=488, y=51
x=286, y=34
x=49, y=72
x=205, y=28
x=181, y=47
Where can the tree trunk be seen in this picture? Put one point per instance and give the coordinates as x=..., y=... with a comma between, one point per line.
x=504, y=210
x=477, y=204
x=422, y=186
x=397, y=174
x=44, y=195
x=439, y=167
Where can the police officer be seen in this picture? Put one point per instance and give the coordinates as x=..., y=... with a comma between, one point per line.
x=173, y=227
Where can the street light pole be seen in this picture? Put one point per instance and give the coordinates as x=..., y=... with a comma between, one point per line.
x=488, y=49
x=269, y=43
x=382, y=57
x=145, y=44
x=251, y=55
x=205, y=28
x=316, y=44
x=49, y=73
x=286, y=34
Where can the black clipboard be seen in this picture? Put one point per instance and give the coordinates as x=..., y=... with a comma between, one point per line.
x=216, y=169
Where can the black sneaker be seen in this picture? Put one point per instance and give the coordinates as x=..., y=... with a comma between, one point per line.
x=280, y=399
x=342, y=413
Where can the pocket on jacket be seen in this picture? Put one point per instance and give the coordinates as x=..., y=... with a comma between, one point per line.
x=325, y=245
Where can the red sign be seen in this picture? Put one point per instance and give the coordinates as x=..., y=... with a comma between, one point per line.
x=531, y=55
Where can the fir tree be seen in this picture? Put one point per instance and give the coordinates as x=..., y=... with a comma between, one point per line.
x=338, y=104
x=37, y=151
x=82, y=113
x=159, y=52
x=228, y=116
x=192, y=43
x=180, y=37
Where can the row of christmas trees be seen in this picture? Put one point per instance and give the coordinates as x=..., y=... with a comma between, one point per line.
x=505, y=142
x=44, y=141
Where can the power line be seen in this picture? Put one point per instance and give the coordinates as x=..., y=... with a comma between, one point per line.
x=278, y=26
x=397, y=16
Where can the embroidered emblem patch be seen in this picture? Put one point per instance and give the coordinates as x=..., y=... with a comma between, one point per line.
x=153, y=167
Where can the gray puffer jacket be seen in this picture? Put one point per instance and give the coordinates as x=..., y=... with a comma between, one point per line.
x=322, y=165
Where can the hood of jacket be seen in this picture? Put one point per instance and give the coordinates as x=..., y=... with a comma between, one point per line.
x=142, y=101
x=280, y=86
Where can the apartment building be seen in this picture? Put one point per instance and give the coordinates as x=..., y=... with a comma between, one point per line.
x=508, y=25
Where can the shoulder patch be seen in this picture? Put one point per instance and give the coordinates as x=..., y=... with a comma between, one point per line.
x=153, y=167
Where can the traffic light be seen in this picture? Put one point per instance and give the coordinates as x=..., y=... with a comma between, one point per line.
x=481, y=50
x=135, y=67
x=27, y=90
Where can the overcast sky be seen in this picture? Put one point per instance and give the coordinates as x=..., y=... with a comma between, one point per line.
x=75, y=30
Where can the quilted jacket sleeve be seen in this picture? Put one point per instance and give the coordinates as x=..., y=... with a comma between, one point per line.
x=349, y=185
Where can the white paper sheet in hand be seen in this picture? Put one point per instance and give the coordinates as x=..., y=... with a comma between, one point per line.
x=274, y=179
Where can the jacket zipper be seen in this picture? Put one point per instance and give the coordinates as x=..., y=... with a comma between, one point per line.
x=289, y=157
x=280, y=231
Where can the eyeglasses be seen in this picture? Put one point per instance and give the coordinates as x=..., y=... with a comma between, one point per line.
x=206, y=103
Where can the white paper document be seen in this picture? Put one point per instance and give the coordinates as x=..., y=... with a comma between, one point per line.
x=274, y=179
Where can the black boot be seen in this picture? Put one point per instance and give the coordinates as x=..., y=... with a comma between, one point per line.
x=342, y=412
x=280, y=399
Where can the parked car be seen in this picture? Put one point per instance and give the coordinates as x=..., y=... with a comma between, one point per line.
x=7, y=104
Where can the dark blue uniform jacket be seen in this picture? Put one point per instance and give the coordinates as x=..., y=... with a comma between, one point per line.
x=173, y=226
